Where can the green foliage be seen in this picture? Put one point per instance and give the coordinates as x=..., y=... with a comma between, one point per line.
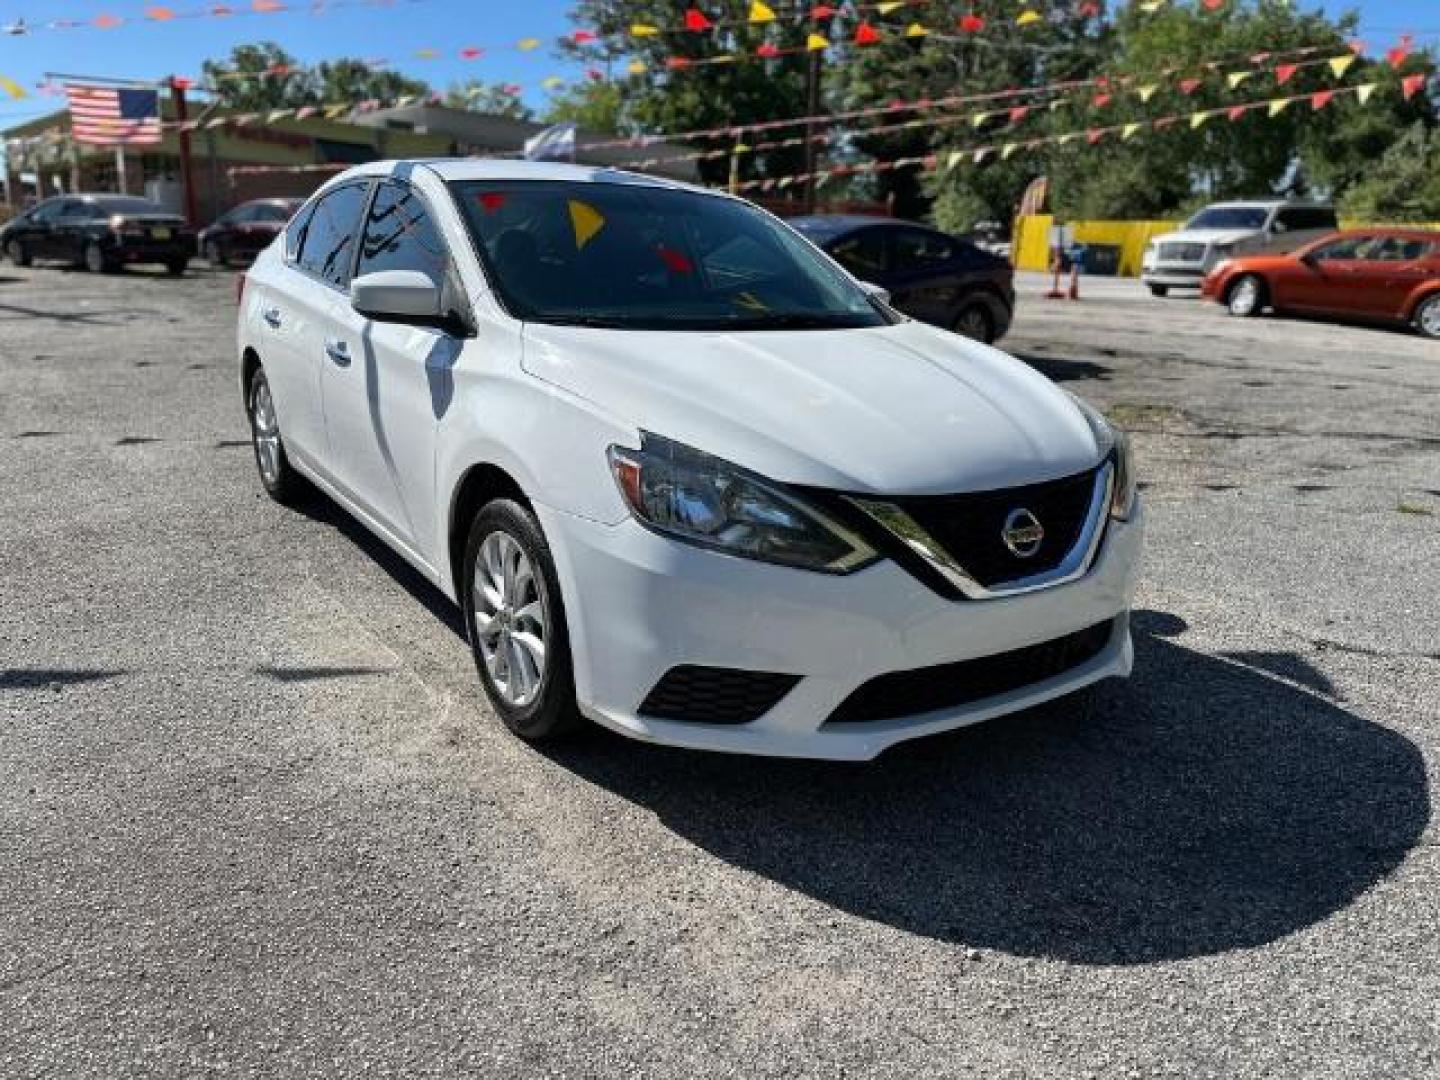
x=276, y=81
x=496, y=99
x=595, y=106
x=1403, y=184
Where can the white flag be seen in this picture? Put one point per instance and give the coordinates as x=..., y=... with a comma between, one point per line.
x=555, y=143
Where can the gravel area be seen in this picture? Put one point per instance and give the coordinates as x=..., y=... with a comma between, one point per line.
x=256, y=819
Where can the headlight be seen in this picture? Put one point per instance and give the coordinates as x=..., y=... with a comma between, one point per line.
x=703, y=500
x=1115, y=445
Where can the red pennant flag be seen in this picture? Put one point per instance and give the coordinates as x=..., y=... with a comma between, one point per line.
x=267, y=7
x=580, y=37
x=107, y=22
x=1019, y=113
x=1358, y=47
x=1260, y=58
x=1088, y=10
x=219, y=11
x=595, y=74
x=513, y=89
x=471, y=53
x=1411, y=85
x=1094, y=135
x=822, y=11
x=1397, y=56
x=675, y=63
x=695, y=20
x=972, y=24
x=1236, y=113
x=1101, y=100
x=1166, y=122
x=768, y=49
x=1189, y=86
x=1321, y=98
x=1284, y=73
x=865, y=34
x=1213, y=5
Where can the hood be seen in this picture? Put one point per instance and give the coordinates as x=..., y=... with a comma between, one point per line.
x=899, y=410
x=1207, y=236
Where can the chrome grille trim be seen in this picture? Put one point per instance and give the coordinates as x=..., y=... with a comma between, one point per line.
x=1075, y=564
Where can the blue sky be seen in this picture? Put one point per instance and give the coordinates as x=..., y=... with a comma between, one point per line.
x=150, y=50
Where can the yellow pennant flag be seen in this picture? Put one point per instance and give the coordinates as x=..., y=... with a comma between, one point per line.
x=1025, y=18
x=1152, y=6
x=1235, y=78
x=1365, y=92
x=550, y=82
x=586, y=221
x=889, y=5
x=980, y=117
x=526, y=44
x=1008, y=149
x=1279, y=105
x=1146, y=92
x=426, y=54
x=759, y=13
x=815, y=42
x=1199, y=118
x=335, y=111
x=643, y=30
x=915, y=30
x=741, y=148
x=636, y=67
x=1128, y=130
x=1068, y=137
x=11, y=87
x=956, y=156
x=1341, y=64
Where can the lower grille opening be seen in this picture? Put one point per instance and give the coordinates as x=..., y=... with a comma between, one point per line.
x=922, y=690
x=711, y=695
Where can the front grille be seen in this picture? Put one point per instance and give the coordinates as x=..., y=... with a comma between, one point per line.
x=711, y=695
x=946, y=686
x=1177, y=252
x=969, y=526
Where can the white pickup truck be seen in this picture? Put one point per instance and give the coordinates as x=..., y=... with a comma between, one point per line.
x=1180, y=260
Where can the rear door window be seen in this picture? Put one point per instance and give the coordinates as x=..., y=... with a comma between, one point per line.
x=862, y=253
x=915, y=249
x=326, y=241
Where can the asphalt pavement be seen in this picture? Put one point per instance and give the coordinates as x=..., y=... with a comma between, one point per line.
x=256, y=819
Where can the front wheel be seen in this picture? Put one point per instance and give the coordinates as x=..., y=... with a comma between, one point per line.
x=95, y=260
x=1161, y=291
x=1246, y=297
x=18, y=252
x=1427, y=316
x=176, y=267
x=515, y=620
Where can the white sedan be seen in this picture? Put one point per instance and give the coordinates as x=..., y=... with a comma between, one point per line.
x=685, y=476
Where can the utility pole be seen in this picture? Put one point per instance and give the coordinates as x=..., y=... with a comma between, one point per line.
x=187, y=166
x=812, y=107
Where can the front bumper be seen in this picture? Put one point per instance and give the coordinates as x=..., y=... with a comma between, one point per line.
x=638, y=604
x=1182, y=276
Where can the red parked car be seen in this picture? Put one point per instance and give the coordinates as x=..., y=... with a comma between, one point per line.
x=246, y=231
x=1371, y=275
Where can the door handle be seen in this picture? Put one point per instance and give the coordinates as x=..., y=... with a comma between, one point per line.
x=338, y=351
x=272, y=316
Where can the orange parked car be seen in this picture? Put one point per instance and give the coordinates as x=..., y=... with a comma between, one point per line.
x=1371, y=275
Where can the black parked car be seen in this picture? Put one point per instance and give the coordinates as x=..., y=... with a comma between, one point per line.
x=247, y=230
x=99, y=232
x=930, y=276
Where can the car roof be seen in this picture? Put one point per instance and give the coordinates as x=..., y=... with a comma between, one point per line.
x=1388, y=230
x=1309, y=204
x=830, y=226
x=449, y=169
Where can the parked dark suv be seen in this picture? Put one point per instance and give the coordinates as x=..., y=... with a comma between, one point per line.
x=99, y=232
x=244, y=232
x=930, y=276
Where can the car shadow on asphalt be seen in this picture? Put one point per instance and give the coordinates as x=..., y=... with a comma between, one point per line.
x=1058, y=369
x=1204, y=805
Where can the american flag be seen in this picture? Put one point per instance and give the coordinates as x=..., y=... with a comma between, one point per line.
x=113, y=117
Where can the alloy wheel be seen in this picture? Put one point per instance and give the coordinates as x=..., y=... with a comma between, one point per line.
x=265, y=427
x=1428, y=317
x=1245, y=296
x=511, y=619
x=94, y=259
x=974, y=323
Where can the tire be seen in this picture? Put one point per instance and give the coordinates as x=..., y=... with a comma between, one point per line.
x=95, y=261
x=1245, y=298
x=176, y=267
x=533, y=692
x=975, y=322
x=1427, y=316
x=281, y=482
x=18, y=252
x=215, y=254
x=1161, y=291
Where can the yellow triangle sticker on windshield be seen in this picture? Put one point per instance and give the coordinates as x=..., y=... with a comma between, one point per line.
x=586, y=221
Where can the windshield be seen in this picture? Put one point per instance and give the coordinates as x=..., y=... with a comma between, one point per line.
x=1229, y=217
x=637, y=256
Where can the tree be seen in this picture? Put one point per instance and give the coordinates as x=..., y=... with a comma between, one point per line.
x=264, y=76
x=1404, y=183
x=496, y=99
x=595, y=106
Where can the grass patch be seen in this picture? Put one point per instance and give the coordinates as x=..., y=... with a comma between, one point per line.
x=1418, y=509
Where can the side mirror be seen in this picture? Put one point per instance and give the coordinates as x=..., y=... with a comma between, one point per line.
x=405, y=296
x=876, y=292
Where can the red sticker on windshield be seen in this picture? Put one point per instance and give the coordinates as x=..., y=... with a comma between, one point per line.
x=491, y=201
x=675, y=260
